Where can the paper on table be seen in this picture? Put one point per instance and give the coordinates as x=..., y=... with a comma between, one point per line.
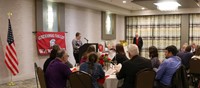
x=110, y=71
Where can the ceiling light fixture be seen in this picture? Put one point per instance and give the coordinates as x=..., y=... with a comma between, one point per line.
x=124, y=1
x=167, y=5
x=143, y=8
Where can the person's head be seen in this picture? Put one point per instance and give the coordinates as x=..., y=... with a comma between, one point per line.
x=188, y=48
x=90, y=49
x=62, y=55
x=170, y=51
x=78, y=35
x=153, y=52
x=197, y=51
x=93, y=57
x=54, y=51
x=136, y=34
x=184, y=47
x=193, y=45
x=133, y=50
x=120, y=49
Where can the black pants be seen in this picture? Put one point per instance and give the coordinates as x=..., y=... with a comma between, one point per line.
x=76, y=56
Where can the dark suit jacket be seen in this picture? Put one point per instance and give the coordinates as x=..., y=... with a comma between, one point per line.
x=140, y=42
x=130, y=68
x=185, y=58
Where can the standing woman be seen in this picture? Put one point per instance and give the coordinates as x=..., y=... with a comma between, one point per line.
x=76, y=43
x=153, y=54
x=120, y=56
x=93, y=68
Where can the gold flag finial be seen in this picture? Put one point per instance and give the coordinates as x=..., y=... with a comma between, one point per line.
x=9, y=14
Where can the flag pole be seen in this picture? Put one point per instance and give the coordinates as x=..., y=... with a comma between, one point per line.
x=11, y=83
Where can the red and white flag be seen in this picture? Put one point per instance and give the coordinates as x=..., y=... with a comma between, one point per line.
x=11, y=55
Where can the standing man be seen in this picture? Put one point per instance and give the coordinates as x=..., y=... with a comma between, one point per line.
x=77, y=43
x=167, y=69
x=138, y=41
x=132, y=66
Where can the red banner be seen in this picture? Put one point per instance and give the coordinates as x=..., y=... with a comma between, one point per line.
x=45, y=40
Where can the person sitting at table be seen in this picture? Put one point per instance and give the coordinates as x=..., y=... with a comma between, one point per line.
x=57, y=72
x=132, y=66
x=84, y=58
x=93, y=68
x=120, y=56
x=52, y=55
x=153, y=54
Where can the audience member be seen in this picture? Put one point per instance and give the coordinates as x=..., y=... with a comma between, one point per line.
x=183, y=47
x=193, y=47
x=185, y=56
x=90, y=49
x=138, y=41
x=58, y=72
x=76, y=43
x=132, y=66
x=93, y=68
x=120, y=56
x=153, y=54
x=197, y=53
x=168, y=67
x=54, y=50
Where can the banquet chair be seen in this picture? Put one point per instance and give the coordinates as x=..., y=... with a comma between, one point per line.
x=80, y=79
x=41, y=77
x=179, y=78
x=145, y=78
x=36, y=75
x=194, y=71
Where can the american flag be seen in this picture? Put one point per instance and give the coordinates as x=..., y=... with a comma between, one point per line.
x=10, y=55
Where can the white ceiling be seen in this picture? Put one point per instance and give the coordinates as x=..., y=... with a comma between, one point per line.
x=131, y=7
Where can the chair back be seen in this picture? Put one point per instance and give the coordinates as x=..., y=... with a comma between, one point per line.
x=41, y=77
x=194, y=66
x=80, y=79
x=36, y=75
x=145, y=78
x=179, y=78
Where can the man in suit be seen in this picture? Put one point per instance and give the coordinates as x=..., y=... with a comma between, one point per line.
x=132, y=66
x=138, y=41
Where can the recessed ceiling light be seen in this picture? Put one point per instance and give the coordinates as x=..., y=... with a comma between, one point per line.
x=124, y=1
x=142, y=8
x=167, y=5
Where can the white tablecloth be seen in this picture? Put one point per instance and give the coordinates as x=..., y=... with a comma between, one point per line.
x=111, y=82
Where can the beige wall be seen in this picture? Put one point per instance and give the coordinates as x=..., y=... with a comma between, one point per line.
x=23, y=23
x=78, y=19
x=88, y=23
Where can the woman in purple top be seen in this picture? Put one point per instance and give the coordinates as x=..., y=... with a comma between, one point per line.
x=153, y=54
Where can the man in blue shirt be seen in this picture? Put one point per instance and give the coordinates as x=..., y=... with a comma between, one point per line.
x=57, y=71
x=168, y=67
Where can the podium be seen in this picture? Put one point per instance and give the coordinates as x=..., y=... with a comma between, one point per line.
x=84, y=47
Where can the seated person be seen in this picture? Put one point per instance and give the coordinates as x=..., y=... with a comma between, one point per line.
x=84, y=58
x=93, y=68
x=53, y=53
x=58, y=72
x=153, y=54
x=120, y=56
x=168, y=67
x=131, y=67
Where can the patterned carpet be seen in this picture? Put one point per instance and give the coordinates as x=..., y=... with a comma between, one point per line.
x=30, y=83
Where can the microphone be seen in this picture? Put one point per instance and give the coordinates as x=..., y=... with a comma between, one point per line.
x=86, y=39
